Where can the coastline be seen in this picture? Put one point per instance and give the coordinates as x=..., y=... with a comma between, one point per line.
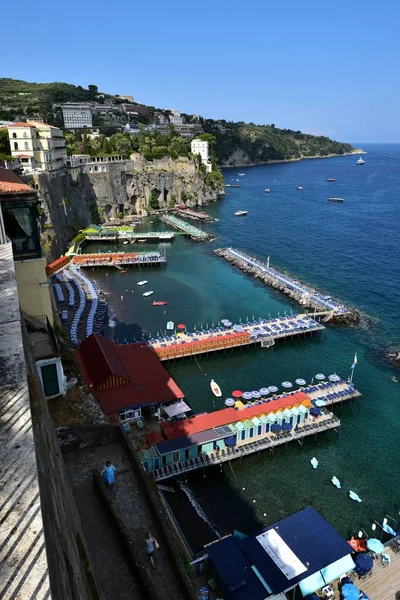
x=290, y=160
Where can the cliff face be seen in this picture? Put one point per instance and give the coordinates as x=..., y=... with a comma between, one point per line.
x=95, y=193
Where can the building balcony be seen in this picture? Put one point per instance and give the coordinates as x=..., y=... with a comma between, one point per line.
x=26, y=249
x=41, y=337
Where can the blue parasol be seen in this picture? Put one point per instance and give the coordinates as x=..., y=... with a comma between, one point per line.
x=315, y=412
x=247, y=396
x=364, y=562
x=276, y=428
x=286, y=426
x=350, y=592
x=264, y=391
x=375, y=545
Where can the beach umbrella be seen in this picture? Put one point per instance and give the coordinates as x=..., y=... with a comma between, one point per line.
x=286, y=426
x=350, y=592
x=276, y=428
x=375, y=545
x=319, y=402
x=320, y=376
x=264, y=391
x=273, y=389
x=256, y=394
x=315, y=412
x=229, y=402
x=301, y=381
x=181, y=326
x=237, y=394
x=287, y=384
x=247, y=396
x=334, y=377
x=364, y=562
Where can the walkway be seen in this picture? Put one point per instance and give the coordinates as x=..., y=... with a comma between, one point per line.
x=113, y=572
x=384, y=583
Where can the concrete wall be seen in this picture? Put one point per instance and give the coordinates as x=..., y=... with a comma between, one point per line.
x=34, y=299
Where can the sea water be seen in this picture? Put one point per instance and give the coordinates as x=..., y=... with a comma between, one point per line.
x=350, y=251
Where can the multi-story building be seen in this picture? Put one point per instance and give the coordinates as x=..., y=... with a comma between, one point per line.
x=201, y=147
x=127, y=98
x=176, y=118
x=76, y=115
x=37, y=145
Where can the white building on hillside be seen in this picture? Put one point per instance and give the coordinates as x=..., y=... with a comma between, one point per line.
x=37, y=145
x=201, y=147
x=76, y=115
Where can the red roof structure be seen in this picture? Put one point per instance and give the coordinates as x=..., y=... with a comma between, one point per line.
x=11, y=184
x=229, y=415
x=123, y=376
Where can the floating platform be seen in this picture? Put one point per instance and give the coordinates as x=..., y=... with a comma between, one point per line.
x=262, y=331
x=194, y=215
x=148, y=236
x=304, y=294
x=196, y=234
x=119, y=259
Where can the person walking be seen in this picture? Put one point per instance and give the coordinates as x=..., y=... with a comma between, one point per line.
x=151, y=546
x=108, y=473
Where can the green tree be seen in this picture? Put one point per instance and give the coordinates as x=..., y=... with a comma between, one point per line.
x=5, y=147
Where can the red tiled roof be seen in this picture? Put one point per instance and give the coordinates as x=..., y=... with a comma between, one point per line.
x=230, y=415
x=19, y=124
x=149, y=383
x=101, y=360
x=154, y=437
x=10, y=183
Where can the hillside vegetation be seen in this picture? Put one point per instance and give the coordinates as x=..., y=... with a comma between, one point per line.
x=246, y=143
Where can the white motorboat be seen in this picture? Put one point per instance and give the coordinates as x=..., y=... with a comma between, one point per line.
x=300, y=188
x=267, y=191
x=360, y=161
x=240, y=213
x=336, y=482
x=142, y=282
x=170, y=325
x=354, y=496
x=149, y=293
x=314, y=462
x=241, y=174
x=216, y=390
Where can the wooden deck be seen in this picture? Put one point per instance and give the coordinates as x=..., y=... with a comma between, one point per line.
x=384, y=583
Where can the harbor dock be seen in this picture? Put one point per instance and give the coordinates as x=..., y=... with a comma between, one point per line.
x=194, y=215
x=120, y=259
x=304, y=295
x=260, y=331
x=121, y=236
x=196, y=234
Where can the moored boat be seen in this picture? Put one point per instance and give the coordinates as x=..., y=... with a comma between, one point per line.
x=142, y=282
x=216, y=390
x=360, y=161
x=314, y=462
x=354, y=496
x=159, y=302
x=336, y=200
x=170, y=325
x=300, y=188
x=149, y=293
x=330, y=179
x=267, y=191
x=240, y=213
x=336, y=482
x=231, y=185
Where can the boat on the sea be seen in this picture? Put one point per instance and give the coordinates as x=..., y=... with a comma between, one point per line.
x=354, y=496
x=314, y=462
x=216, y=390
x=232, y=185
x=143, y=282
x=149, y=293
x=330, y=179
x=170, y=325
x=360, y=161
x=159, y=302
x=336, y=482
x=125, y=242
x=300, y=188
x=241, y=174
x=336, y=200
x=240, y=213
x=267, y=191
x=394, y=379
x=122, y=271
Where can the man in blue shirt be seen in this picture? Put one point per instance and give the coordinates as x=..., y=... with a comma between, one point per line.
x=108, y=473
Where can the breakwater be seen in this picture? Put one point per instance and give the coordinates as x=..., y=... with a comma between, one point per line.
x=304, y=294
x=196, y=234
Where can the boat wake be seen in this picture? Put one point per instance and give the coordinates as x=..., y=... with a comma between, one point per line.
x=186, y=489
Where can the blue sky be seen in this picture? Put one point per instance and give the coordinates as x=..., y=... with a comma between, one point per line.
x=330, y=68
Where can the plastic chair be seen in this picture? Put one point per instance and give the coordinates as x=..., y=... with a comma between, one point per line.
x=385, y=560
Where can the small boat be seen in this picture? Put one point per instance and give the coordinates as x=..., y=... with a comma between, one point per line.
x=170, y=325
x=159, y=302
x=336, y=482
x=149, y=293
x=314, y=462
x=241, y=174
x=240, y=213
x=300, y=188
x=126, y=242
x=354, y=496
x=231, y=185
x=142, y=282
x=360, y=161
x=394, y=379
x=216, y=390
x=267, y=191
x=336, y=200
x=330, y=179
x=122, y=271
x=142, y=241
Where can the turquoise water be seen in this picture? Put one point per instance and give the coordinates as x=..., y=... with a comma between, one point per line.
x=351, y=251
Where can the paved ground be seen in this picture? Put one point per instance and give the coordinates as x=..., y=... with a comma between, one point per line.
x=105, y=547
x=114, y=577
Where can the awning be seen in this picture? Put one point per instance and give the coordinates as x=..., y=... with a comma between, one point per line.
x=178, y=408
x=337, y=569
x=312, y=583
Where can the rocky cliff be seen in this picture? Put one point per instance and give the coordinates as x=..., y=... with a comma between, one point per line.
x=100, y=191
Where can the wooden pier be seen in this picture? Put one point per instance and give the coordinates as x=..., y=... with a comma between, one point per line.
x=149, y=236
x=201, y=342
x=325, y=423
x=303, y=294
x=196, y=234
x=120, y=259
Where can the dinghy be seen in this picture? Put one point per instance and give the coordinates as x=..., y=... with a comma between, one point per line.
x=170, y=325
x=314, y=462
x=354, y=496
x=216, y=390
x=336, y=482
